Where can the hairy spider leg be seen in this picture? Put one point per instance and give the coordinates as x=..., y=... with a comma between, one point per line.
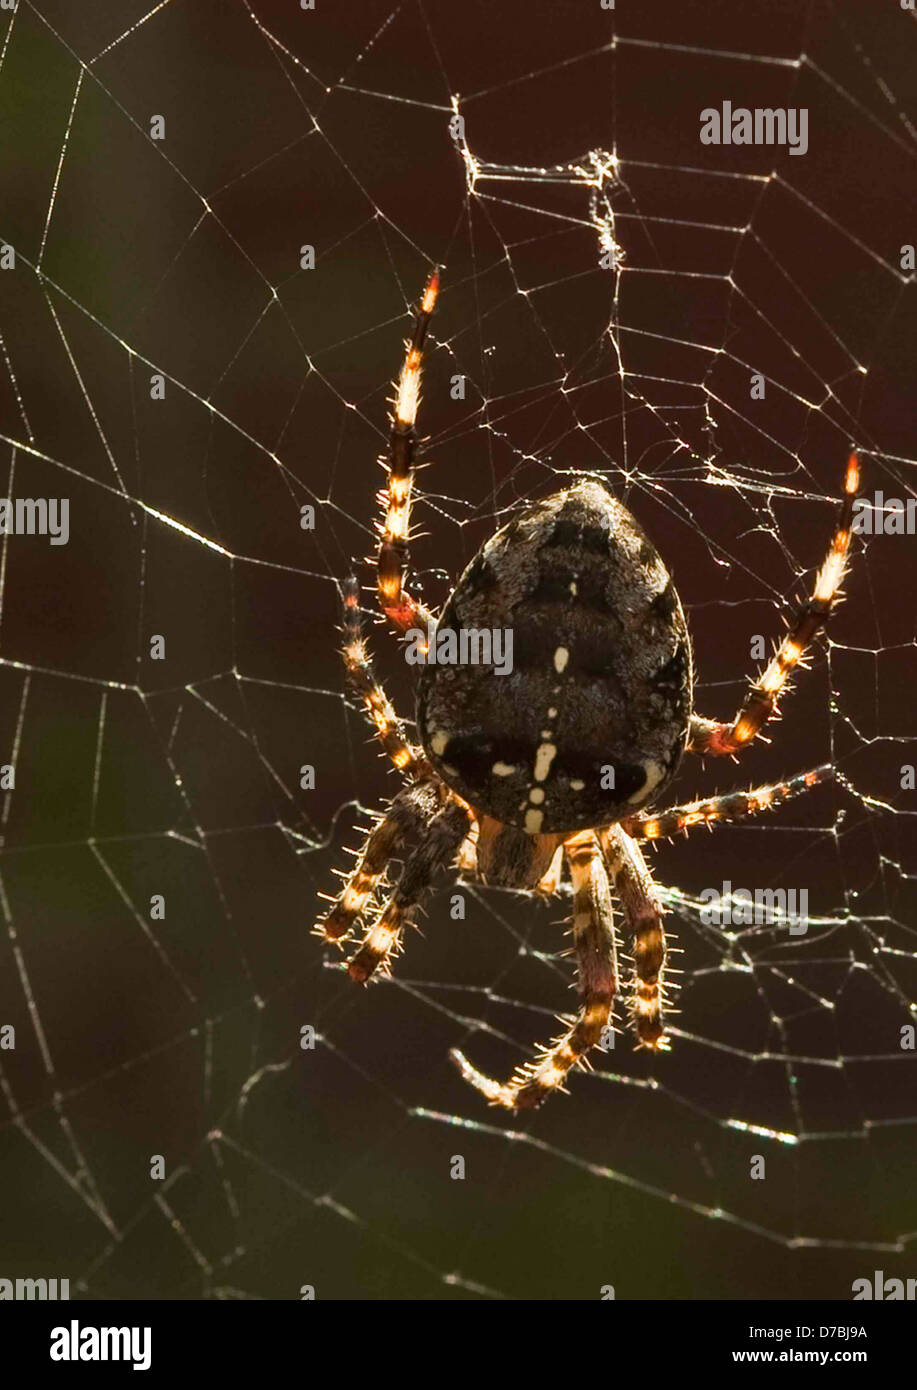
x=367, y=687
x=731, y=806
x=596, y=953
x=708, y=736
x=435, y=853
x=403, y=611
x=406, y=818
x=642, y=910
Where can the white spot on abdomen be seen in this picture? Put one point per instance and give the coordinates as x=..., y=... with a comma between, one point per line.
x=503, y=769
x=533, y=821
x=543, y=760
x=561, y=657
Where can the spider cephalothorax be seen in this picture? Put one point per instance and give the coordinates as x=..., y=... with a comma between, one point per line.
x=550, y=765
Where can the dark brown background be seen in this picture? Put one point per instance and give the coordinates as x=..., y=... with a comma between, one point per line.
x=180, y=1037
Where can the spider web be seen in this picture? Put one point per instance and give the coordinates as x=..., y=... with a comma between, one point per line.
x=140, y=1035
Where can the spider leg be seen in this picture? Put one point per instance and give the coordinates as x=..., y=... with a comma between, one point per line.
x=407, y=816
x=367, y=687
x=436, y=851
x=643, y=915
x=733, y=806
x=708, y=736
x=396, y=603
x=594, y=944
x=549, y=883
x=466, y=862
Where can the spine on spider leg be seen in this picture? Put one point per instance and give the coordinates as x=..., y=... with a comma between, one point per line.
x=396, y=499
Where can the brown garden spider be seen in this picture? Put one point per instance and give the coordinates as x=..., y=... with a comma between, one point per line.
x=557, y=762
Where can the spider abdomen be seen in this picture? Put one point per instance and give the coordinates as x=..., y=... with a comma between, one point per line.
x=590, y=719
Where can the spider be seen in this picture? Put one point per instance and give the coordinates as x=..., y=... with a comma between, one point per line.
x=558, y=762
